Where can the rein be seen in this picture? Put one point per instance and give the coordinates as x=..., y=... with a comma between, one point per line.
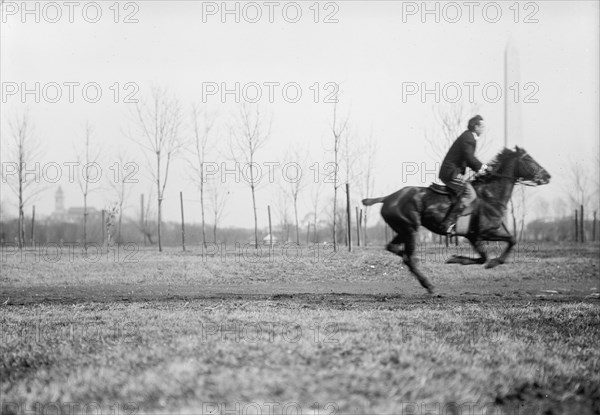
x=515, y=180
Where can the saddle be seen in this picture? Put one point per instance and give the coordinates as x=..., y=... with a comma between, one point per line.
x=445, y=191
x=440, y=189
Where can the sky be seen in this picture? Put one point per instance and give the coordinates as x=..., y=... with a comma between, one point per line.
x=380, y=56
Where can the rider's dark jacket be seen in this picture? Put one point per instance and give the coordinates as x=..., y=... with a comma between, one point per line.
x=460, y=156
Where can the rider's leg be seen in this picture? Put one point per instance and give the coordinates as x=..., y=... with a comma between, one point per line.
x=464, y=216
x=467, y=199
x=458, y=187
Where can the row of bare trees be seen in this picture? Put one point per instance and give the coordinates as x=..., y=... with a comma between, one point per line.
x=167, y=133
x=159, y=128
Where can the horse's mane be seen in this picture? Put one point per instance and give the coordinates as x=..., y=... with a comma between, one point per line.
x=498, y=161
x=501, y=157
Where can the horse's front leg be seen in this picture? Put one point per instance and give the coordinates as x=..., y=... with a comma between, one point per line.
x=500, y=235
x=464, y=260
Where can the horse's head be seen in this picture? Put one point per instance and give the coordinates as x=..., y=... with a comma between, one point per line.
x=529, y=170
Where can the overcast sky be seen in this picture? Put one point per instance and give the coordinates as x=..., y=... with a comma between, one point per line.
x=373, y=50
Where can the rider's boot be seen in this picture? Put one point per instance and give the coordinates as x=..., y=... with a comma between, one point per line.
x=449, y=222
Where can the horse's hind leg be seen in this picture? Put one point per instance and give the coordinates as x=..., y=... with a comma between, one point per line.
x=394, y=245
x=409, y=260
x=465, y=260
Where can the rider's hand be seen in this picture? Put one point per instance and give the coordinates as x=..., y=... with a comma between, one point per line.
x=483, y=169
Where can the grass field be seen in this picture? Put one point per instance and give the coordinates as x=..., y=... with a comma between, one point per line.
x=300, y=333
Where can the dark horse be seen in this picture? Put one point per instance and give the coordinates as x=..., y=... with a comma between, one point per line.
x=410, y=207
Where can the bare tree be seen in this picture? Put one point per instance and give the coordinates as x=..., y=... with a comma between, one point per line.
x=368, y=162
x=282, y=206
x=295, y=181
x=145, y=216
x=87, y=158
x=122, y=178
x=219, y=195
x=250, y=133
x=338, y=129
x=201, y=142
x=578, y=187
x=23, y=151
x=315, y=198
x=351, y=152
x=112, y=210
x=159, y=123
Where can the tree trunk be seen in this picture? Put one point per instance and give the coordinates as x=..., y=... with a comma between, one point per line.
x=296, y=215
x=33, y=226
x=159, y=197
x=255, y=216
x=21, y=237
x=85, y=220
x=365, y=231
x=119, y=237
x=142, y=222
x=159, y=221
x=349, y=218
x=215, y=229
x=202, y=208
x=334, y=227
x=182, y=221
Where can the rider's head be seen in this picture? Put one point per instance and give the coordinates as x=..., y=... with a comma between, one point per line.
x=476, y=125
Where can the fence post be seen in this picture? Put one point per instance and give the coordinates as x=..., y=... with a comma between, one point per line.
x=33, y=226
x=103, y=224
x=358, y=221
x=594, y=228
x=581, y=222
x=349, y=232
x=576, y=227
x=142, y=227
x=363, y=231
x=270, y=229
x=182, y=222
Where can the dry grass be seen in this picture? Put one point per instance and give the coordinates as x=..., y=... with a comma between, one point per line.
x=157, y=336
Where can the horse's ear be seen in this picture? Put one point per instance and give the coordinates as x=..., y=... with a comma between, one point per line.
x=517, y=149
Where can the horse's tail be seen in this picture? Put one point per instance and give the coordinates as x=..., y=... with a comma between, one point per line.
x=371, y=202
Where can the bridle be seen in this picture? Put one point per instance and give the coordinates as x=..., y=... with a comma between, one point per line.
x=513, y=177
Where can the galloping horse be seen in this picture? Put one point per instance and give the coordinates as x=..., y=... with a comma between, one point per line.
x=410, y=207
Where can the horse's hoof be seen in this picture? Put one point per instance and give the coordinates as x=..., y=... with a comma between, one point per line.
x=492, y=264
x=451, y=260
x=394, y=249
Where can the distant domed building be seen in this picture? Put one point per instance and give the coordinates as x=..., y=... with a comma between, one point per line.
x=71, y=215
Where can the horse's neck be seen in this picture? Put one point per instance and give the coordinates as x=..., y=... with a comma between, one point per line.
x=502, y=188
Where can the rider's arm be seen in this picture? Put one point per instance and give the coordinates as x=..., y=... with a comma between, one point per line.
x=469, y=154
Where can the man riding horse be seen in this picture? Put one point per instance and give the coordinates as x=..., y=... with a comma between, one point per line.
x=460, y=156
x=411, y=207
